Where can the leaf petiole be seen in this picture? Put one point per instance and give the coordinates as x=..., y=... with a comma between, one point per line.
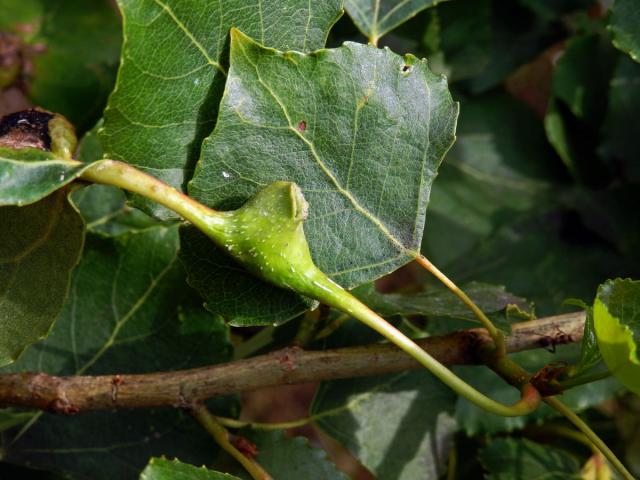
x=590, y=435
x=496, y=335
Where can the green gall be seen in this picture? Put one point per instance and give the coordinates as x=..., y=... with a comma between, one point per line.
x=267, y=236
x=63, y=137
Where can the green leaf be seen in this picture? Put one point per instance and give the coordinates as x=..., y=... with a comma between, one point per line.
x=173, y=70
x=497, y=171
x=163, y=469
x=398, y=426
x=129, y=311
x=560, y=256
x=440, y=302
x=624, y=24
x=577, y=105
x=582, y=74
x=39, y=246
x=89, y=148
x=480, y=42
x=229, y=290
x=375, y=18
x=620, y=134
x=520, y=459
x=29, y=175
x=285, y=457
x=336, y=155
x=459, y=34
x=71, y=53
x=105, y=211
x=473, y=420
x=557, y=130
x=589, y=351
x=367, y=180
x=616, y=315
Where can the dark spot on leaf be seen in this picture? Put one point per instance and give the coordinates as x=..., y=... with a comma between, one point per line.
x=302, y=126
x=406, y=68
x=28, y=128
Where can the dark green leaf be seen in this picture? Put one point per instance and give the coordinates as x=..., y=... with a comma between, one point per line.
x=576, y=140
x=520, y=459
x=483, y=41
x=578, y=104
x=163, y=469
x=589, y=350
x=560, y=258
x=375, y=18
x=361, y=130
x=563, y=142
x=231, y=291
x=582, y=74
x=39, y=246
x=89, y=148
x=459, y=34
x=620, y=137
x=497, y=170
x=29, y=175
x=285, y=457
x=71, y=53
x=440, y=302
x=399, y=426
x=105, y=211
x=624, y=24
x=555, y=9
x=129, y=311
x=173, y=70
x=616, y=315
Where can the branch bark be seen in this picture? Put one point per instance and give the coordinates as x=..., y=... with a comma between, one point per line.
x=184, y=388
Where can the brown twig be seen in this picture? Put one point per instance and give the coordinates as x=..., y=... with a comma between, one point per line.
x=185, y=388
